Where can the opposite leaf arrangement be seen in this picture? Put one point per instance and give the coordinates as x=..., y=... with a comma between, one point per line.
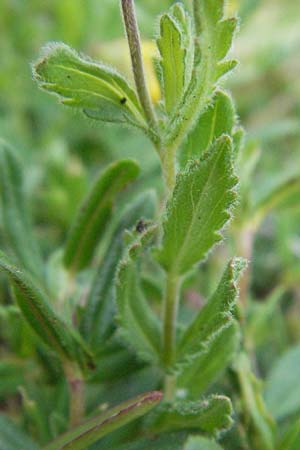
x=99, y=321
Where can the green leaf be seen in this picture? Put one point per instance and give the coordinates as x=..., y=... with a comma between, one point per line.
x=165, y=441
x=198, y=209
x=99, y=91
x=255, y=412
x=139, y=326
x=13, y=438
x=171, y=44
x=94, y=429
x=99, y=311
x=217, y=119
x=208, y=367
x=15, y=216
x=278, y=197
x=208, y=416
x=36, y=309
x=95, y=212
x=291, y=438
x=12, y=375
x=282, y=390
x=213, y=317
x=201, y=443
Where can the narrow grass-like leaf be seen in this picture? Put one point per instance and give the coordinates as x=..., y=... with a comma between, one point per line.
x=197, y=375
x=139, y=326
x=94, y=429
x=198, y=209
x=99, y=311
x=36, y=309
x=208, y=416
x=100, y=92
x=15, y=216
x=217, y=119
x=95, y=213
x=201, y=443
x=215, y=315
x=172, y=61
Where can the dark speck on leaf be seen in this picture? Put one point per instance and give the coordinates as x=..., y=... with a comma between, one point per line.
x=140, y=226
x=123, y=101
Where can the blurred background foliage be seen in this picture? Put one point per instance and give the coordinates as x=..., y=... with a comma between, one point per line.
x=61, y=152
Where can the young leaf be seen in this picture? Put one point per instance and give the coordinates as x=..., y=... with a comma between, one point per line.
x=14, y=213
x=208, y=367
x=100, y=92
x=99, y=311
x=95, y=213
x=201, y=443
x=13, y=438
x=172, y=61
x=217, y=119
x=212, y=46
x=94, y=429
x=36, y=309
x=209, y=416
x=138, y=324
x=213, y=317
x=198, y=209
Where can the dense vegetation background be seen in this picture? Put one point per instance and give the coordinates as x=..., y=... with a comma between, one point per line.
x=61, y=152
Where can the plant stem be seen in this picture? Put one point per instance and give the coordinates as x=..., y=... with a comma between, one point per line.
x=168, y=162
x=169, y=336
x=76, y=393
x=134, y=42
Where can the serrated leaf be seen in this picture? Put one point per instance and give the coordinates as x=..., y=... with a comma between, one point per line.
x=217, y=119
x=15, y=216
x=36, y=309
x=214, y=316
x=99, y=91
x=139, y=326
x=201, y=443
x=98, y=313
x=198, y=209
x=13, y=438
x=94, y=429
x=208, y=416
x=95, y=212
x=282, y=390
x=197, y=375
x=172, y=61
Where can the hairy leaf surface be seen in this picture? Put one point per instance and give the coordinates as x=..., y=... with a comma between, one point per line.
x=98, y=314
x=198, y=209
x=210, y=415
x=214, y=316
x=217, y=119
x=36, y=309
x=94, y=429
x=99, y=91
x=95, y=212
x=139, y=326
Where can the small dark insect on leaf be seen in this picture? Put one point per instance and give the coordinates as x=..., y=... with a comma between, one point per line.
x=141, y=226
x=123, y=101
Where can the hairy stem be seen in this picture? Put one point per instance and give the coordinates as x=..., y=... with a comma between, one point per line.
x=76, y=393
x=169, y=335
x=134, y=42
